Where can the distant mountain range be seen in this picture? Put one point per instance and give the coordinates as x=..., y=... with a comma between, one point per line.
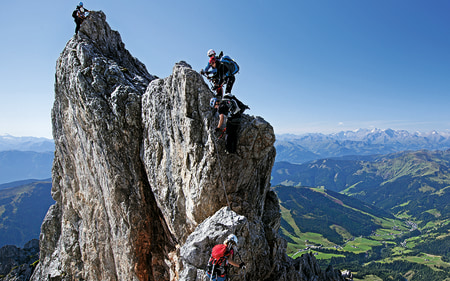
x=24, y=158
x=402, y=199
x=25, y=187
x=8, y=142
x=308, y=147
x=23, y=206
x=19, y=165
x=413, y=183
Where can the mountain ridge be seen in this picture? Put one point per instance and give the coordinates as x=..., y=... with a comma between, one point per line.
x=398, y=181
x=17, y=165
x=23, y=206
x=308, y=147
x=36, y=144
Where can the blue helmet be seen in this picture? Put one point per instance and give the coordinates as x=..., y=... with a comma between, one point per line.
x=81, y=4
x=213, y=101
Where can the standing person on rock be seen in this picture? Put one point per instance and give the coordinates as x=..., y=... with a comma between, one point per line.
x=222, y=255
x=79, y=15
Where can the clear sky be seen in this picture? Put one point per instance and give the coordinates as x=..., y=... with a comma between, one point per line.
x=306, y=66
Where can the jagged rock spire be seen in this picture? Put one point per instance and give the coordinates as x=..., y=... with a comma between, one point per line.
x=139, y=178
x=105, y=224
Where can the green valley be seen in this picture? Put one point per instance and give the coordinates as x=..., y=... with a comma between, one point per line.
x=386, y=218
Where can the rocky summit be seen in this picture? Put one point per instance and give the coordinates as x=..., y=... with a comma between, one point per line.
x=143, y=186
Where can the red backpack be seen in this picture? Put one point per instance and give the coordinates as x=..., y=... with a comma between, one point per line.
x=218, y=262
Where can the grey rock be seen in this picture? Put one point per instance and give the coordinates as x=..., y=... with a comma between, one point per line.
x=17, y=264
x=102, y=226
x=142, y=185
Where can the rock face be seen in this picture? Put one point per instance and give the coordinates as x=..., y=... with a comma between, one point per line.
x=105, y=224
x=143, y=186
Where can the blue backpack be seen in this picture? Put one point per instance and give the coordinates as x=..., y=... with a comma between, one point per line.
x=231, y=63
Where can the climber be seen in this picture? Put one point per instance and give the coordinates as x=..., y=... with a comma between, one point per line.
x=211, y=75
x=79, y=16
x=231, y=107
x=226, y=69
x=221, y=256
x=211, y=53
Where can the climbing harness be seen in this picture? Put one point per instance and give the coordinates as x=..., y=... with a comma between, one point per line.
x=219, y=89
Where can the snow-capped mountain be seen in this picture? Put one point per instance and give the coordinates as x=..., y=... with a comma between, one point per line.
x=307, y=147
x=8, y=142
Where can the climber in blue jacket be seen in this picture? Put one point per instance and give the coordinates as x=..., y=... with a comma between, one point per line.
x=211, y=53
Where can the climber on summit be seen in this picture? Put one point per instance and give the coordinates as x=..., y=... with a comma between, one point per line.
x=221, y=256
x=79, y=16
x=232, y=108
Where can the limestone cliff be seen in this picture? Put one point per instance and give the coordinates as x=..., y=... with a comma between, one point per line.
x=143, y=186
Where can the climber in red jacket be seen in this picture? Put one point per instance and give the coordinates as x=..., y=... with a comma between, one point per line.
x=222, y=256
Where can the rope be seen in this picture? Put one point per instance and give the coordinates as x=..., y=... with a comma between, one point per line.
x=226, y=195
x=221, y=176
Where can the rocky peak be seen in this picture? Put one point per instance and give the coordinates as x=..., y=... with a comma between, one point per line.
x=142, y=185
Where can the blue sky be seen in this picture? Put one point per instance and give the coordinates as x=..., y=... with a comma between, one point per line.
x=306, y=66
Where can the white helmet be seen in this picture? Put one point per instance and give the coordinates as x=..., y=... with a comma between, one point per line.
x=231, y=238
x=211, y=52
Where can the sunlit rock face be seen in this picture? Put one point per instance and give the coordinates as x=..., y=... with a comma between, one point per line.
x=105, y=224
x=143, y=186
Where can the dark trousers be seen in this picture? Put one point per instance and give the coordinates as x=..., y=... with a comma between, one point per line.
x=230, y=81
x=233, y=124
x=78, y=21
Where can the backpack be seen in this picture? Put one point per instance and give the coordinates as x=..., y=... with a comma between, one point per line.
x=74, y=13
x=218, y=261
x=231, y=64
x=231, y=103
